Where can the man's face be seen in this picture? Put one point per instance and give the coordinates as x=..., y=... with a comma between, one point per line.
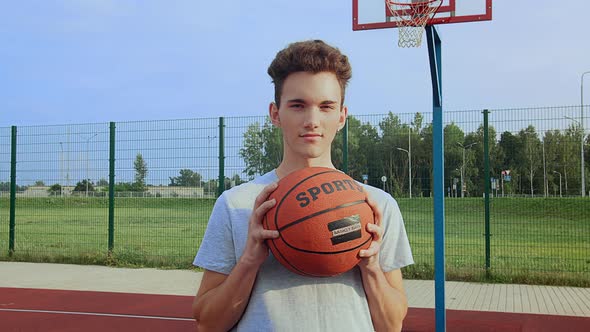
x=310, y=114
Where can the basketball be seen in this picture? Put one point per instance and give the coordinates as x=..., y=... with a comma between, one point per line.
x=321, y=215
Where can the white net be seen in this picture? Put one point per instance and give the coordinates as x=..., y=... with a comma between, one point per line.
x=411, y=16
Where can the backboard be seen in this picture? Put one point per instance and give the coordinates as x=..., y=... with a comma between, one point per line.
x=375, y=14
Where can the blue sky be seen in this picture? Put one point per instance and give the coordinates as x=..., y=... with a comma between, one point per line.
x=86, y=61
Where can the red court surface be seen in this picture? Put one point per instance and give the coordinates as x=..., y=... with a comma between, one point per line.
x=30, y=310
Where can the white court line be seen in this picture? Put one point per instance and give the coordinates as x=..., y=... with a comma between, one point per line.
x=94, y=314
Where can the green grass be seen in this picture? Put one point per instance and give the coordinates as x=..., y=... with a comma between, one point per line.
x=538, y=241
x=148, y=231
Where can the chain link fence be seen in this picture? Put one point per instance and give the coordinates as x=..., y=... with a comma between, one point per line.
x=141, y=193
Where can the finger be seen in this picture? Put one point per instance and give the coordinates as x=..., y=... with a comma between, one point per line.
x=263, y=196
x=371, y=251
x=376, y=211
x=269, y=234
x=376, y=231
x=263, y=209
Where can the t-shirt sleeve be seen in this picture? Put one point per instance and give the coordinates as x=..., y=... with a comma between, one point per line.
x=216, y=252
x=395, y=247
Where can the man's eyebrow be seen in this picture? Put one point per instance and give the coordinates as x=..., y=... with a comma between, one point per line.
x=296, y=100
x=302, y=101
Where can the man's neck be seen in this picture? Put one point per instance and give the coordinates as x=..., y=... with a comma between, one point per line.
x=285, y=168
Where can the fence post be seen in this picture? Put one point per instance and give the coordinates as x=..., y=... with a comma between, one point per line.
x=12, y=192
x=111, y=188
x=486, y=154
x=221, y=185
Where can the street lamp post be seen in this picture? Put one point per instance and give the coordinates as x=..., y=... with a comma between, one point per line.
x=463, y=166
x=87, y=157
x=582, y=126
x=559, y=182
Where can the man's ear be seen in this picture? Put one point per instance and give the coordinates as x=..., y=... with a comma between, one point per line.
x=273, y=112
x=343, y=115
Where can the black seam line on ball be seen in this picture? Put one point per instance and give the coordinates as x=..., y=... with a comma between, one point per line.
x=318, y=213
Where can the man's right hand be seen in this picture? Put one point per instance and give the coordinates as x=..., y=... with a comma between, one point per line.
x=256, y=250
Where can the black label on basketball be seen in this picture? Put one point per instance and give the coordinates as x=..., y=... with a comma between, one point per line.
x=346, y=229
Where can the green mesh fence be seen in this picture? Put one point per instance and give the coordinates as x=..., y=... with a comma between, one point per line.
x=167, y=176
x=538, y=225
x=4, y=188
x=534, y=227
x=386, y=165
x=59, y=216
x=161, y=217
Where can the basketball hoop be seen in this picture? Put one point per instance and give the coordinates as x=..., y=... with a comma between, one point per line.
x=410, y=17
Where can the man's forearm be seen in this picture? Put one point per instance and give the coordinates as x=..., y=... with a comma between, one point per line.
x=387, y=304
x=221, y=307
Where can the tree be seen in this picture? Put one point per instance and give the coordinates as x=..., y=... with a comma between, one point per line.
x=512, y=159
x=510, y=146
x=532, y=151
x=362, y=140
x=39, y=183
x=553, y=152
x=395, y=135
x=124, y=187
x=418, y=175
x=102, y=183
x=187, y=178
x=5, y=186
x=236, y=180
x=140, y=173
x=81, y=186
x=475, y=166
x=210, y=187
x=422, y=155
x=453, y=135
x=54, y=190
x=263, y=148
x=368, y=148
x=571, y=147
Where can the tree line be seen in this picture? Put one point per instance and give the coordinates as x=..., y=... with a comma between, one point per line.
x=186, y=178
x=531, y=160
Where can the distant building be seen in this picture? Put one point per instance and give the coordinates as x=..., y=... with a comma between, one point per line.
x=152, y=191
x=43, y=191
x=35, y=191
x=166, y=191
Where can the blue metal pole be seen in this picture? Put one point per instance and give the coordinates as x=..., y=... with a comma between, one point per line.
x=434, y=55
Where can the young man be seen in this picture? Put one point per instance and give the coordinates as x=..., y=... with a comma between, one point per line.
x=243, y=287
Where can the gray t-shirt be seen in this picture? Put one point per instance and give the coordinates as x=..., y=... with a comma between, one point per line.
x=282, y=300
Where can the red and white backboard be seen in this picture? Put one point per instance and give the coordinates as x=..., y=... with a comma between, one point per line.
x=376, y=14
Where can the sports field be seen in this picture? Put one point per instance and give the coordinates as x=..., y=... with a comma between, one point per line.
x=531, y=239
x=147, y=231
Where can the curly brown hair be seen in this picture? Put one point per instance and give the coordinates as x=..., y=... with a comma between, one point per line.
x=312, y=56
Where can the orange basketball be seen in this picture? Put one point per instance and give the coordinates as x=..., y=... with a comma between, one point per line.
x=321, y=215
